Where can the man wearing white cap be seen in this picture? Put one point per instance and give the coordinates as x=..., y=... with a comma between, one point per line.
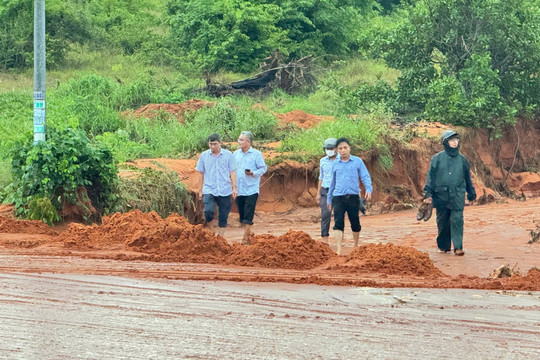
x=325, y=177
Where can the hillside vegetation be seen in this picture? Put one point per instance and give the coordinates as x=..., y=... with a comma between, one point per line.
x=469, y=63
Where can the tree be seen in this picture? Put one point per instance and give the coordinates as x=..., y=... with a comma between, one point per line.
x=474, y=55
x=238, y=34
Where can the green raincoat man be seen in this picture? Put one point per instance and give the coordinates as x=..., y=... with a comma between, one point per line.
x=448, y=179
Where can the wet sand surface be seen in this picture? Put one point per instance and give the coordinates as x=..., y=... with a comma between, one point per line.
x=59, y=301
x=68, y=316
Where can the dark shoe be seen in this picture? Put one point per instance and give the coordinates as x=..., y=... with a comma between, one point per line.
x=362, y=206
x=444, y=251
x=429, y=211
x=424, y=212
x=459, y=252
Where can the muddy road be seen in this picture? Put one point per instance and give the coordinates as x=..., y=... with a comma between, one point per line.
x=84, y=293
x=68, y=316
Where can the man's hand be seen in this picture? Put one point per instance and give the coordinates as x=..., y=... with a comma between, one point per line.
x=234, y=192
x=318, y=197
x=428, y=200
x=329, y=206
x=368, y=196
x=249, y=173
x=199, y=194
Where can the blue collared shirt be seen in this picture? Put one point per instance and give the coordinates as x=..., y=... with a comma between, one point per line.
x=325, y=170
x=254, y=161
x=217, y=172
x=345, y=178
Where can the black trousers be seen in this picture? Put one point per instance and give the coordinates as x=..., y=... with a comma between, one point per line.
x=246, y=208
x=349, y=204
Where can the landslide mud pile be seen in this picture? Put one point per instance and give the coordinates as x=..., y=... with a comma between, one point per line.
x=170, y=239
x=388, y=259
x=293, y=250
x=13, y=226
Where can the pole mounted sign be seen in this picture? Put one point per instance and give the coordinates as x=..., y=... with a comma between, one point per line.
x=39, y=71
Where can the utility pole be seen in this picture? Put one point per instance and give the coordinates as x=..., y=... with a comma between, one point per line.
x=39, y=71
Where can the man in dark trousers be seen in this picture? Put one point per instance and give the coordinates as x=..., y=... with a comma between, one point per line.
x=448, y=179
x=344, y=192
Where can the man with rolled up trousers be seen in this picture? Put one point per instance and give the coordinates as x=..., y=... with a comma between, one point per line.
x=344, y=193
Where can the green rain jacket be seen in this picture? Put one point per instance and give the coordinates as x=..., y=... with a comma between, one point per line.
x=448, y=179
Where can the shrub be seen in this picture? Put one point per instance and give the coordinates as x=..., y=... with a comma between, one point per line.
x=57, y=168
x=153, y=190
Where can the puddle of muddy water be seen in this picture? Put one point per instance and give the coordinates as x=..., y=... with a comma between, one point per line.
x=87, y=316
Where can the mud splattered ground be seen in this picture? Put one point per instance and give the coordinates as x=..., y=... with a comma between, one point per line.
x=77, y=316
x=116, y=290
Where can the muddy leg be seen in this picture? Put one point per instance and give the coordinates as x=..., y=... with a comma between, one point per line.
x=443, y=225
x=456, y=229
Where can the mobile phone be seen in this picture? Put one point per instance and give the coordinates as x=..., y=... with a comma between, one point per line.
x=248, y=170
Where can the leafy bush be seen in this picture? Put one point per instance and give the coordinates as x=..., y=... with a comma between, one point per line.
x=238, y=34
x=471, y=98
x=56, y=169
x=363, y=98
x=64, y=24
x=153, y=190
x=457, y=49
x=41, y=208
x=122, y=148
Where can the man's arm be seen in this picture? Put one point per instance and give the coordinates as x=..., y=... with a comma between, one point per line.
x=428, y=187
x=321, y=177
x=471, y=192
x=201, y=182
x=331, y=190
x=233, y=184
x=319, y=191
x=261, y=166
x=200, y=168
x=366, y=179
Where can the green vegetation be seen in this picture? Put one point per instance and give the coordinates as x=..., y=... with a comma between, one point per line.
x=472, y=63
x=469, y=63
x=153, y=190
x=58, y=168
x=365, y=133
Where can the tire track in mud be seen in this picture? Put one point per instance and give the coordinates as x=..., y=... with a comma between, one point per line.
x=73, y=316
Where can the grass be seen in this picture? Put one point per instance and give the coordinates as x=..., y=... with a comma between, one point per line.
x=364, y=133
x=93, y=88
x=357, y=70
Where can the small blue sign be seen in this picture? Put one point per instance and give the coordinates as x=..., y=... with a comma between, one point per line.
x=39, y=104
x=38, y=95
x=39, y=128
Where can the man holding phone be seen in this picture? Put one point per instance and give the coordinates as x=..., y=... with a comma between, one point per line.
x=217, y=182
x=251, y=167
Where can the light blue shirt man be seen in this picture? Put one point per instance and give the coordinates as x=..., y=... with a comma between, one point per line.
x=325, y=170
x=217, y=172
x=349, y=173
x=251, y=160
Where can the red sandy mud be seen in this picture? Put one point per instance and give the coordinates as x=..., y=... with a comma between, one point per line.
x=172, y=239
x=388, y=259
x=12, y=226
x=177, y=110
x=301, y=119
x=293, y=257
x=293, y=250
